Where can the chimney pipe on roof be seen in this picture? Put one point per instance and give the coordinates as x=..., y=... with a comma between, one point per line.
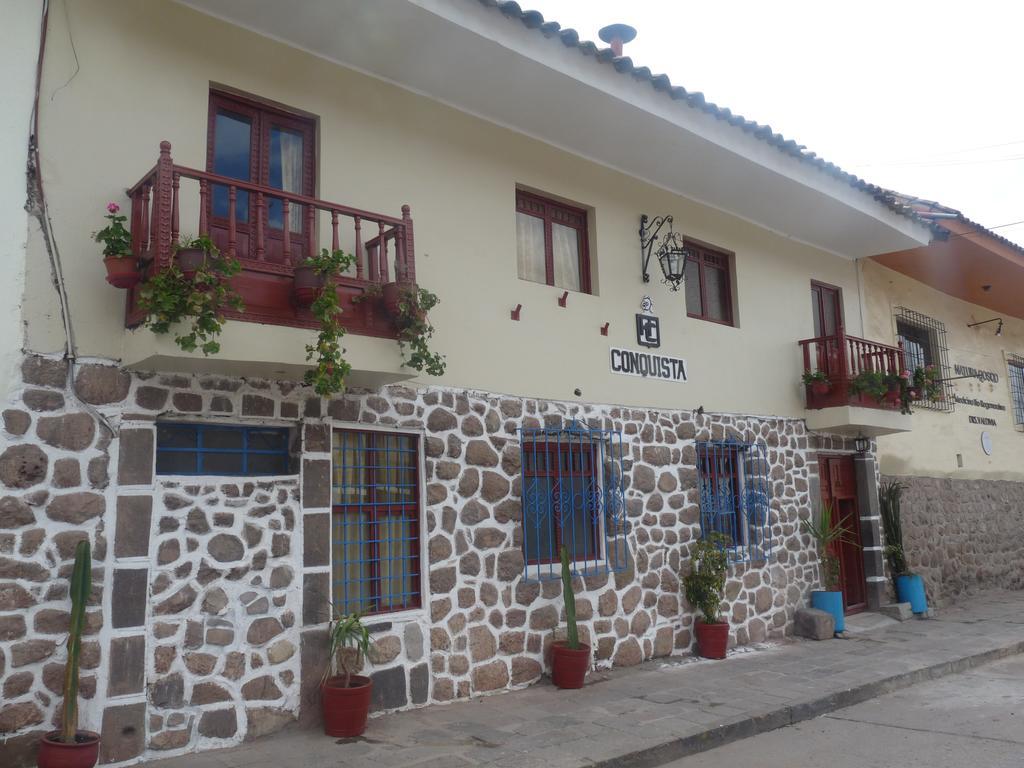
x=616, y=35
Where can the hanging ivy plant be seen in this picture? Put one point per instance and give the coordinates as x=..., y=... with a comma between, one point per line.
x=414, y=331
x=330, y=369
x=169, y=298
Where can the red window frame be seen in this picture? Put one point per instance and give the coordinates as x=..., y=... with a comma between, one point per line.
x=707, y=258
x=378, y=510
x=553, y=212
x=558, y=470
x=715, y=463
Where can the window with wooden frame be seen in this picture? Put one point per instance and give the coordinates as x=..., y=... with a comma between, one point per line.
x=375, y=531
x=551, y=243
x=265, y=146
x=1015, y=365
x=708, y=284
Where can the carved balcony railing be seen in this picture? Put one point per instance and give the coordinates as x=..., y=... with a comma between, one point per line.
x=270, y=232
x=842, y=358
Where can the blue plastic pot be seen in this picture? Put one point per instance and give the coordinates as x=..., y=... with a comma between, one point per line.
x=831, y=602
x=910, y=589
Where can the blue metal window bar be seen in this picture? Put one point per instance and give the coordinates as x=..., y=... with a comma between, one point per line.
x=735, y=497
x=213, y=449
x=572, y=496
x=375, y=530
x=1015, y=363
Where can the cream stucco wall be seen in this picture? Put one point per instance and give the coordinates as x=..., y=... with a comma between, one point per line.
x=932, y=446
x=18, y=56
x=145, y=73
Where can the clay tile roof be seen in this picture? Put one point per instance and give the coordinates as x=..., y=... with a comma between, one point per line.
x=661, y=82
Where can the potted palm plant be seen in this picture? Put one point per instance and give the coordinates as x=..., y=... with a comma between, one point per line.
x=570, y=659
x=345, y=697
x=70, y=747
x=704, y=585
x=909, y=586
x=122, y=265
x=828, y=532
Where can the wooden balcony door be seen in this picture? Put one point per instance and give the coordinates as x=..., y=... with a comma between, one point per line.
x=260, y=145
x=827, y=306
x=839, y=488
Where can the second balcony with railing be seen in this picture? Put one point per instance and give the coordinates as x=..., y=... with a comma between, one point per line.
x=271, y=232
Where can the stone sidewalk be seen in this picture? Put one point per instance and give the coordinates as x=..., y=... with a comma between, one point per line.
x=660, y=711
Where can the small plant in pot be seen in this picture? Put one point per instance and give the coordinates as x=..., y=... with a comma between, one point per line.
x=327, y=377
x=345, y=697
x=414, y=331
x=122, y=265
x=570, y=659
x=909, y=586
x=191, y=253
x=828, y=532
x=818, y=382
x=704, y=586
x=70, y=747
x=312, y=275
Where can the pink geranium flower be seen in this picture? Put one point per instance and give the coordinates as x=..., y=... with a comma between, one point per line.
x=113, y=207
x=905, y=375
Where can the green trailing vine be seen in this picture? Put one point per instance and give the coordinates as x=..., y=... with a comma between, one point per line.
x=169, y=298
x=414, y=331
x=330, y=369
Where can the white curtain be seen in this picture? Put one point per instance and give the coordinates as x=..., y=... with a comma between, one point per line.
x=530, y=248
x=291, y=172
x=565, y=247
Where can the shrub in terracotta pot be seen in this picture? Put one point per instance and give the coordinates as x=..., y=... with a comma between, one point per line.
x=121, y=264
x=345, y=697
x=70, y=747
x=704, y=586
x=570, y=659
x=191, y=254
x=818, y=382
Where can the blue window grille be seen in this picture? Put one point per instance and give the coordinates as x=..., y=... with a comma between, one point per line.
x=375, y=531
x=735, y=497
x=572, y=496
x=1015, y=364
x=213, y=449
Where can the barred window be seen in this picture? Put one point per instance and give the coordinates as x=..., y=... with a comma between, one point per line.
x=1016, y=367
x=572, y=497
x=375, y=531
x=923, y=340
x=735, y=498
x=220, y=450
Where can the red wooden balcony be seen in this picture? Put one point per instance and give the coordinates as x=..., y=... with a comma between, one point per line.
x=270, y=232
x=842, y=358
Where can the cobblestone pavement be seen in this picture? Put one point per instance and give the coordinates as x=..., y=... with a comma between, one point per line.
x=660, y=711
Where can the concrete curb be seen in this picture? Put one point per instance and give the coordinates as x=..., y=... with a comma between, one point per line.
x=794, y=713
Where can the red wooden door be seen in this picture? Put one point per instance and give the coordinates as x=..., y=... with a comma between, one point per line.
x=839, y=488
x=827, y=303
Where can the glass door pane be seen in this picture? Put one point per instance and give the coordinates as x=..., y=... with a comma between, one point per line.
x=284, y=171
x=232, y=157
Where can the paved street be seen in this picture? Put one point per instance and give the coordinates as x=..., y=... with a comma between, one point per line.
x=662, y=711
x=974, y=718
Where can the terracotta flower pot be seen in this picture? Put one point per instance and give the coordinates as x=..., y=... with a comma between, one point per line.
x=712, y=639
x=392, y=295
x=189, y=260
x=56, y=754
x=345, y=709
x=820, y=388
x=569, y=667
x=308, y=283
x=122, y=271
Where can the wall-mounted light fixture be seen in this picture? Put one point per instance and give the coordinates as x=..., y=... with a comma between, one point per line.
x=861, y=444
x=999, y=328
x=670, y=251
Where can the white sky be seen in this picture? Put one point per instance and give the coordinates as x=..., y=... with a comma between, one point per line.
x=921, y=97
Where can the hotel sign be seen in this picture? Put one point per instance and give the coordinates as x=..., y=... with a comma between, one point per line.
x=648, y=365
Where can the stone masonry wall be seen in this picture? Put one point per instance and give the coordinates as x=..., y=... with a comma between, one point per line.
x=212, y=594
x=963, y=534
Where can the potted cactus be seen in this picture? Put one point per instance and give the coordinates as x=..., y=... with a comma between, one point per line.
x=909, y=586
x=704, y=585
x=828, y=532
x=344, y=697
x=70, y=747
x=570, y=659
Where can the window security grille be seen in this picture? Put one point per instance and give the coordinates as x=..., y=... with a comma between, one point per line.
x=1016, y=368
x=226, y=451
x=375, y=531
x=924, y=343
x=735, y=497
x=572, y=496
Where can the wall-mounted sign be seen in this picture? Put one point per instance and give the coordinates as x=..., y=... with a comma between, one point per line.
x=982, y=420
x=986, y=443
x=647, y=365
x=648, y=331
x=966, y=370
x=978, y=403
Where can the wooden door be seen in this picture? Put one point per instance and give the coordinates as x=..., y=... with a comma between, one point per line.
x=839, y=488
x=827, y=305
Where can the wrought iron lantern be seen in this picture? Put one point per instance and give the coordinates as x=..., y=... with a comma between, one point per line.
x=861, y=444
x=672, y=255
